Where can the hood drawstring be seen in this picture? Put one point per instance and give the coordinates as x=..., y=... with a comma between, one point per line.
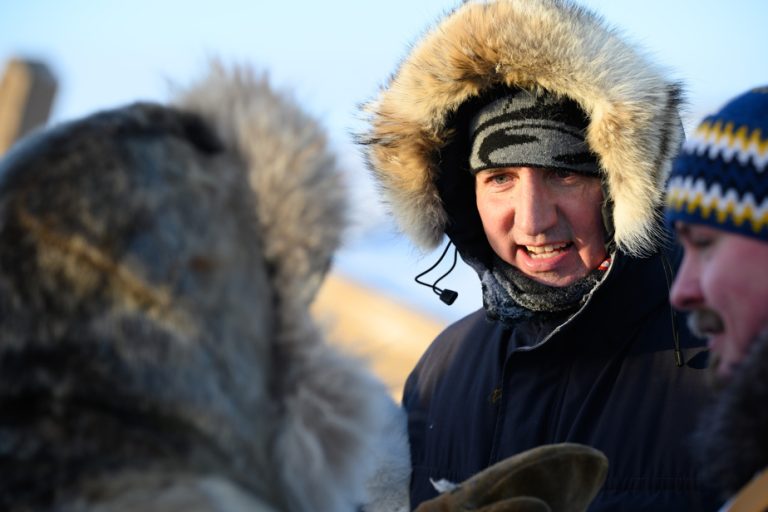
x=446, y=295
x=675, y=335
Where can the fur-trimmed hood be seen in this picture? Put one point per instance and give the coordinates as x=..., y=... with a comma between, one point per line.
x=157, y=263
x=416, y=140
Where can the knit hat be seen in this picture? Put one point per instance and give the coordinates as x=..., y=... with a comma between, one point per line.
x=523, y=129
x=719, y=178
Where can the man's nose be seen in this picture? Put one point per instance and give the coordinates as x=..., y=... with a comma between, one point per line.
x=535, y=208
x=685, y=293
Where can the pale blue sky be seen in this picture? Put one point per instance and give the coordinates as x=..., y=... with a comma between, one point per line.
x=333, y=54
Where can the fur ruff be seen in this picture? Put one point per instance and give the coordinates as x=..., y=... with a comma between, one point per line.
x=156, y=270
x=548, y=45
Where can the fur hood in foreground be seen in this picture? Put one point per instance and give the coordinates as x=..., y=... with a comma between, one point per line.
x=157, y=264
x=416, y=124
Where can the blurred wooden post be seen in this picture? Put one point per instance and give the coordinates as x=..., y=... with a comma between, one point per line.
x=27, y=89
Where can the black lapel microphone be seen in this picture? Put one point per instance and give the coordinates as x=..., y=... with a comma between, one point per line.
x=446, y=295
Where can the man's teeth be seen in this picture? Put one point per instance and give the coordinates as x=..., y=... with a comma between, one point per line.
x=543, y=251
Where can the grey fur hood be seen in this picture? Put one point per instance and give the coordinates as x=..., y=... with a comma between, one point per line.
x=415, y=138
x=157, y=263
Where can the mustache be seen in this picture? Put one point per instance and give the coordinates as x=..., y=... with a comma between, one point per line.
x=704, y=321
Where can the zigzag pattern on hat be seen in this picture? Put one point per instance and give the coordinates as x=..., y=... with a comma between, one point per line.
x=726, y=142
x=711, y=202
x=720, y=177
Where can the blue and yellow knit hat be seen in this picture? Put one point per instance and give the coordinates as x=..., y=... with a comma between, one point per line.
x=720, y=178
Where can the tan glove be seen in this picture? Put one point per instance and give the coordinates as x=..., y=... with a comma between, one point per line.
x=551, y=478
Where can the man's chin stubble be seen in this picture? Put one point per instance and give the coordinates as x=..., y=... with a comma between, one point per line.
x=715, y=381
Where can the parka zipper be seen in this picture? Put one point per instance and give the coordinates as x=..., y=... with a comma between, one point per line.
x=497, y=395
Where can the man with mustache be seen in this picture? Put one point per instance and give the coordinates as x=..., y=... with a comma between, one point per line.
x=718, y=203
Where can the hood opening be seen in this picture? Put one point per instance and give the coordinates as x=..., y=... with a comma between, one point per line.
x=456, y=187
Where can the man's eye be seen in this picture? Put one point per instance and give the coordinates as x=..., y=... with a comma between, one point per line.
x=563, y=174
x=700, y=242
x=698, y=237
x=497, y=179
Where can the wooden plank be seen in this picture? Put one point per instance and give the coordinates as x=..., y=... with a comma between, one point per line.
x=27, y=90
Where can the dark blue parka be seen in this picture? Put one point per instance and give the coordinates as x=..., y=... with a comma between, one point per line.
x=606, y=377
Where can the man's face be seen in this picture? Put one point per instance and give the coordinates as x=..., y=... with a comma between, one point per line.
x=723, y=280
x=545, y=222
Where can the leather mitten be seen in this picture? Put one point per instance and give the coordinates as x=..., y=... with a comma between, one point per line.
x=550, y=478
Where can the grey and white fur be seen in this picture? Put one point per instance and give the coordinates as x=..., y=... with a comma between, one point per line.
x=157, y=263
